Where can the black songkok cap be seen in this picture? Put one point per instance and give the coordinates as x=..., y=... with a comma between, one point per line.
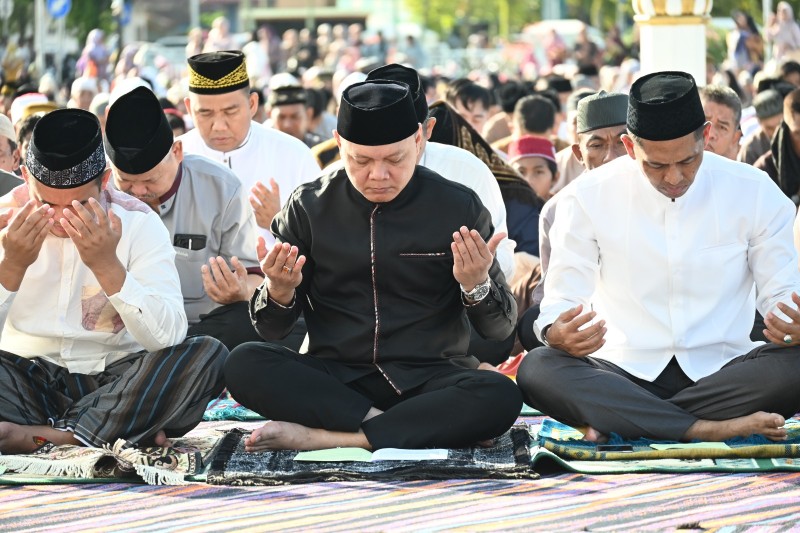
x=601, y=110
x=217, y=72
x=66, y=149
x=559, y=84
x=377, y=112
x=768, y=103
x=664, y=105
x=287, y=95
x=409, y=76
x=138, y=135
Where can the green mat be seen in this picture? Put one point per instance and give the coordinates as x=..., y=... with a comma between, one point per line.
x=563, y=447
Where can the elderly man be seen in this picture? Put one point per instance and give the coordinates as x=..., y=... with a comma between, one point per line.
x=202, y=205
x=723, y=109
x=387, y=307
x=93, y=345
x=649, y=295
x=600, y=123
x=221, y=106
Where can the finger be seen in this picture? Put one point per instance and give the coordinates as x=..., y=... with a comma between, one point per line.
x=470, y=244
x=70, y=230
x=477, y=246
x=238, y=268
x=217, y=270
x=461, y=246
x=495, y=241
x=259, y=192
x=43, y=231
x=777, y=325
x=209, y=284
x=84, y=214
x=261, y=249
x=576, y=323
x=276, y=191
x=792, y=314
x=115, y=222
x=99, y=213
x=76, y=222
x=458, y=261
x=4, y=218
x=291, y=258
x=590, y=332
x=227, y=273
x=570, y=314
x=22, y=215
x=254, y=203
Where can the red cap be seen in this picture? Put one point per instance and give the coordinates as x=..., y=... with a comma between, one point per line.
x=531, y=146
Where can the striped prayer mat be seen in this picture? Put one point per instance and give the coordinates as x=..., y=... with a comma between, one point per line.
x=563, y=446
x=508, y=458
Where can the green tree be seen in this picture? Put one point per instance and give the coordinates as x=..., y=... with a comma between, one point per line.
x=499, y=17
x=87, y=15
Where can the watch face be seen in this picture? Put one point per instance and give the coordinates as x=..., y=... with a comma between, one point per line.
x=481, y=292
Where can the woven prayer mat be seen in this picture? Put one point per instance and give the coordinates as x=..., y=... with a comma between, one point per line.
x=509, y=458
x=561, y=446
x=185, y=461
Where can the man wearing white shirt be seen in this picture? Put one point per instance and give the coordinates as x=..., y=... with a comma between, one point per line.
x=93, y=347
x=270, y=163
x=649, y=298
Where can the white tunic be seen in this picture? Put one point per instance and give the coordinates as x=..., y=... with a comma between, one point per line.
x=61, y=314
x=674, y=278
x=266, y=153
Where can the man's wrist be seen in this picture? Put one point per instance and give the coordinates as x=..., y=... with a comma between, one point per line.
x=544, y=335
x=11, y=275
x=282, y=298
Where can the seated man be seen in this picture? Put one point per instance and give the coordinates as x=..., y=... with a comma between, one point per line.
x=388, y=263
x=648, y=298
x=93, y=345
x=204, y=209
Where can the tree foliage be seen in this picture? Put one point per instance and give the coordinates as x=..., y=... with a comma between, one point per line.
x=87, y=15
x=499, y=17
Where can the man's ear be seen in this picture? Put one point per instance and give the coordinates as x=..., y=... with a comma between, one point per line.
x=104, y=180
x=628, y=142
x=188, y=103
x=338, y=139
x=576, y=151
x=253, y=104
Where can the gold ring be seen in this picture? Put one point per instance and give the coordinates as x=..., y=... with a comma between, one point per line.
x=287, y=269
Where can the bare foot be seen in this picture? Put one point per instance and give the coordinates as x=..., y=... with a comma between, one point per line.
x=15, y=438
x=592, y=435
x=488, y=366
x=276, y=435
x=769, y=425
x=161, y=439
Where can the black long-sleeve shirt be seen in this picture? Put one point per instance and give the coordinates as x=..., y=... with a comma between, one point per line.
x=378, y=287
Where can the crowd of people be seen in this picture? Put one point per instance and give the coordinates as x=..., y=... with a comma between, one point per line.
x=355, y=244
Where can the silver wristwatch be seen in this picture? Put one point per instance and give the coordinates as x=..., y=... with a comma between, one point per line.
x=479, y=292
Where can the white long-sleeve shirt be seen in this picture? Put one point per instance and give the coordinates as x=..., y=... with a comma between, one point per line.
x=60, y=312
x=266, y=153
x=674, y=278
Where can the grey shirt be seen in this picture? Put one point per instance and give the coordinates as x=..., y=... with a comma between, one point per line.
x=207, y=203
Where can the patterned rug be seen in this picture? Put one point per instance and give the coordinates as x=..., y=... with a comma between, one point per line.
x=509, y=458
x=186, y=459
x=561, y=446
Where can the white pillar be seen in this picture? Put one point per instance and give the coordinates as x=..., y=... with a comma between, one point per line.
x=672, y=35
x=674, y=47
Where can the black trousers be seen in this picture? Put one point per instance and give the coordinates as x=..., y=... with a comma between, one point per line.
x=230, y=324
x=588, y=391
x=456, y=407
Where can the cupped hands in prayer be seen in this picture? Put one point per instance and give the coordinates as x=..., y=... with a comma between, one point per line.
x=283, y=267
x=472, y=256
